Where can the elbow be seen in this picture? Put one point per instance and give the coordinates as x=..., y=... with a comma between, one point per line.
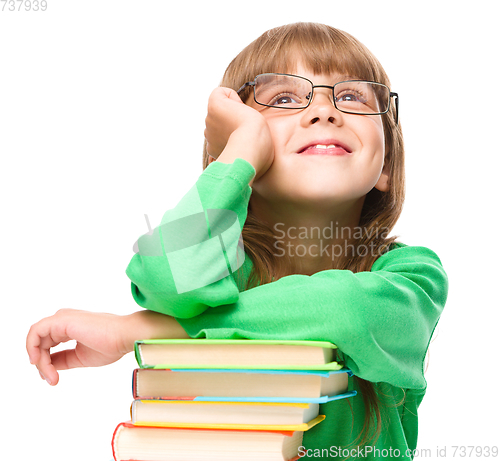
x=172, y=306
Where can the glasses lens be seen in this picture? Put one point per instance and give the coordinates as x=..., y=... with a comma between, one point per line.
x=362, y=97
x=282, y=91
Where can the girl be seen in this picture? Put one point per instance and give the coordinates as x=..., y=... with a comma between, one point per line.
x=304, y=153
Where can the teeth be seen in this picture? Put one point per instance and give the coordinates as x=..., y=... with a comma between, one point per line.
x=322, y=146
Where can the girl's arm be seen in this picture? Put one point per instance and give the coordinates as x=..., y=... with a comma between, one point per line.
x=233, y=131
x=101, y=338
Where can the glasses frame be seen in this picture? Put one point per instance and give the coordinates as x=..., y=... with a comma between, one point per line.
x=391, y=95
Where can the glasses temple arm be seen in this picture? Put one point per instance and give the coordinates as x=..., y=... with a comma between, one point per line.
x=244, y=86
x=397, y=105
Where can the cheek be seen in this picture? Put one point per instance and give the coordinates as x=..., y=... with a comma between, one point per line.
x=372, y=138
x=371, y=161
x=381, y=139
x=378, y=152
x=281, y=132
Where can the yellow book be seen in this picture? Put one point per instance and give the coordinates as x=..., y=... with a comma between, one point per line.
x=226, y=415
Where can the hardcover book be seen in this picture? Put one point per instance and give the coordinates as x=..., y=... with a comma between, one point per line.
x=226, y=415
x=236, y=354
x=241, y=385
x=174, y=444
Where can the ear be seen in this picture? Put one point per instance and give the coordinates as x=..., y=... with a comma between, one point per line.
x=383, y=182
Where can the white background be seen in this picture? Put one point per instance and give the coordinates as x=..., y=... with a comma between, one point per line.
x=102, y=107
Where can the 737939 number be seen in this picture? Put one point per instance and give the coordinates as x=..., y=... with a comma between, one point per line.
x=24, y=5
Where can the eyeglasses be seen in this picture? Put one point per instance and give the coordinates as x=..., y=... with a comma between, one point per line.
x=286, y=91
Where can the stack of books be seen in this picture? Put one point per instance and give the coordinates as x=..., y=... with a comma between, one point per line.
x=200, y=399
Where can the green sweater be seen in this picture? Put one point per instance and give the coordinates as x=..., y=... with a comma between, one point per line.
x=382, y=320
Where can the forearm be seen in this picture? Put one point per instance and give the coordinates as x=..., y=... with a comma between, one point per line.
x=150, y=325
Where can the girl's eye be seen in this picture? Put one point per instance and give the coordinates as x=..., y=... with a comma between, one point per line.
x=351, y=96
x=284, y=100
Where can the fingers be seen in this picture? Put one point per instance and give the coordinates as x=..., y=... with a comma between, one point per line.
x=231, y=94
x=65, y=360
x=214, y=146
x=225, y=113
x=47, y=333
x=213, y=154
x=47, y=370
x=223, y=92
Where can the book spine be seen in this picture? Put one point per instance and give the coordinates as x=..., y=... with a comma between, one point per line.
x=134, y=384
x=115, y=438
x=137, y=352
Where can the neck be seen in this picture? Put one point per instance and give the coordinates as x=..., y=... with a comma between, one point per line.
x=311, y=236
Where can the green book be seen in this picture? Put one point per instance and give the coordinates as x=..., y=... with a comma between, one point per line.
x=234, y=354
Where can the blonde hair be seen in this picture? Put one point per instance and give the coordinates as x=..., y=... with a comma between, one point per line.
x=324, y=49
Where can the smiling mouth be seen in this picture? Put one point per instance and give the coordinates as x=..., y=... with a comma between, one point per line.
x=325, y=149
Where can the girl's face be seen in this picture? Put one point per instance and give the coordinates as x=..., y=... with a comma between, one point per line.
x=339, y=176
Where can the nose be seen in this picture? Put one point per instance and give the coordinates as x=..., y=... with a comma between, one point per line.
x=321, y=109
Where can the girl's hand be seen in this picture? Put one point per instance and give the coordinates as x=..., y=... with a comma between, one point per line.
x=99, y=341
x=234, y=130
